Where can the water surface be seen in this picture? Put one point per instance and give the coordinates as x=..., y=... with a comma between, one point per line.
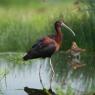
x=72, y=74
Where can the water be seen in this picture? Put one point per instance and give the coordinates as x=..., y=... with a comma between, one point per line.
x=74, y=75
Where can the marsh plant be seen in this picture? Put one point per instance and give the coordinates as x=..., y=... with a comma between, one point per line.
x=21, y=24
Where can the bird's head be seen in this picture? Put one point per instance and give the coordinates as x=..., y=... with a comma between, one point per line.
x=61, y=23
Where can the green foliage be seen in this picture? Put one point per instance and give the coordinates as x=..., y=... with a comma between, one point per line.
x=69, y=91
x=59, y=91
x=21, y=27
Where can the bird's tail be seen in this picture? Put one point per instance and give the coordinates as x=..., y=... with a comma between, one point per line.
x=31, y=55
x=26, y=57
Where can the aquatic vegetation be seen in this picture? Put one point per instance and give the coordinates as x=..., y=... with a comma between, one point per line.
x=21, y=26
x=65, y=80
x=68, y=91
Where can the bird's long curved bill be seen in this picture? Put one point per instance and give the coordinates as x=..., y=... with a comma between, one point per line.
x=63, y=24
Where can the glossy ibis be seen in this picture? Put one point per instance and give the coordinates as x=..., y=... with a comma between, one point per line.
x=47, y=46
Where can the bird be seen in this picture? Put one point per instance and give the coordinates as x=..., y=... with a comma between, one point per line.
x=75, y=50
x=47, y=46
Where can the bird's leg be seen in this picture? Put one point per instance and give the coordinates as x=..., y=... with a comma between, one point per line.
x=53, y=73
x=40, y=75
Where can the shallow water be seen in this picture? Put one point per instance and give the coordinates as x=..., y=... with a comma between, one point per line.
x=16, y=74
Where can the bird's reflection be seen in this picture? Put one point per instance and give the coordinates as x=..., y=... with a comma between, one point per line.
x=75, y=63
x=74, y=56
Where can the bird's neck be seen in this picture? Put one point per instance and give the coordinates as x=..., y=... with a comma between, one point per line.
x=58, y=35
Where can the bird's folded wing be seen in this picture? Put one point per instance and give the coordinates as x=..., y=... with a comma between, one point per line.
x=41, y=41
x=37, y=42
x=39, y=45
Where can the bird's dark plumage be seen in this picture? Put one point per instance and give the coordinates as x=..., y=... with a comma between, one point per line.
x=46, y=46
x=43, y=48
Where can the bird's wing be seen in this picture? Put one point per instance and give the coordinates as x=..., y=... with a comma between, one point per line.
x=38, y=42
x=43, y=44
x=41, y=40
x=43, y=48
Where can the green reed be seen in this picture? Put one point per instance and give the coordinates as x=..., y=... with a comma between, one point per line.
x=20, y=27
